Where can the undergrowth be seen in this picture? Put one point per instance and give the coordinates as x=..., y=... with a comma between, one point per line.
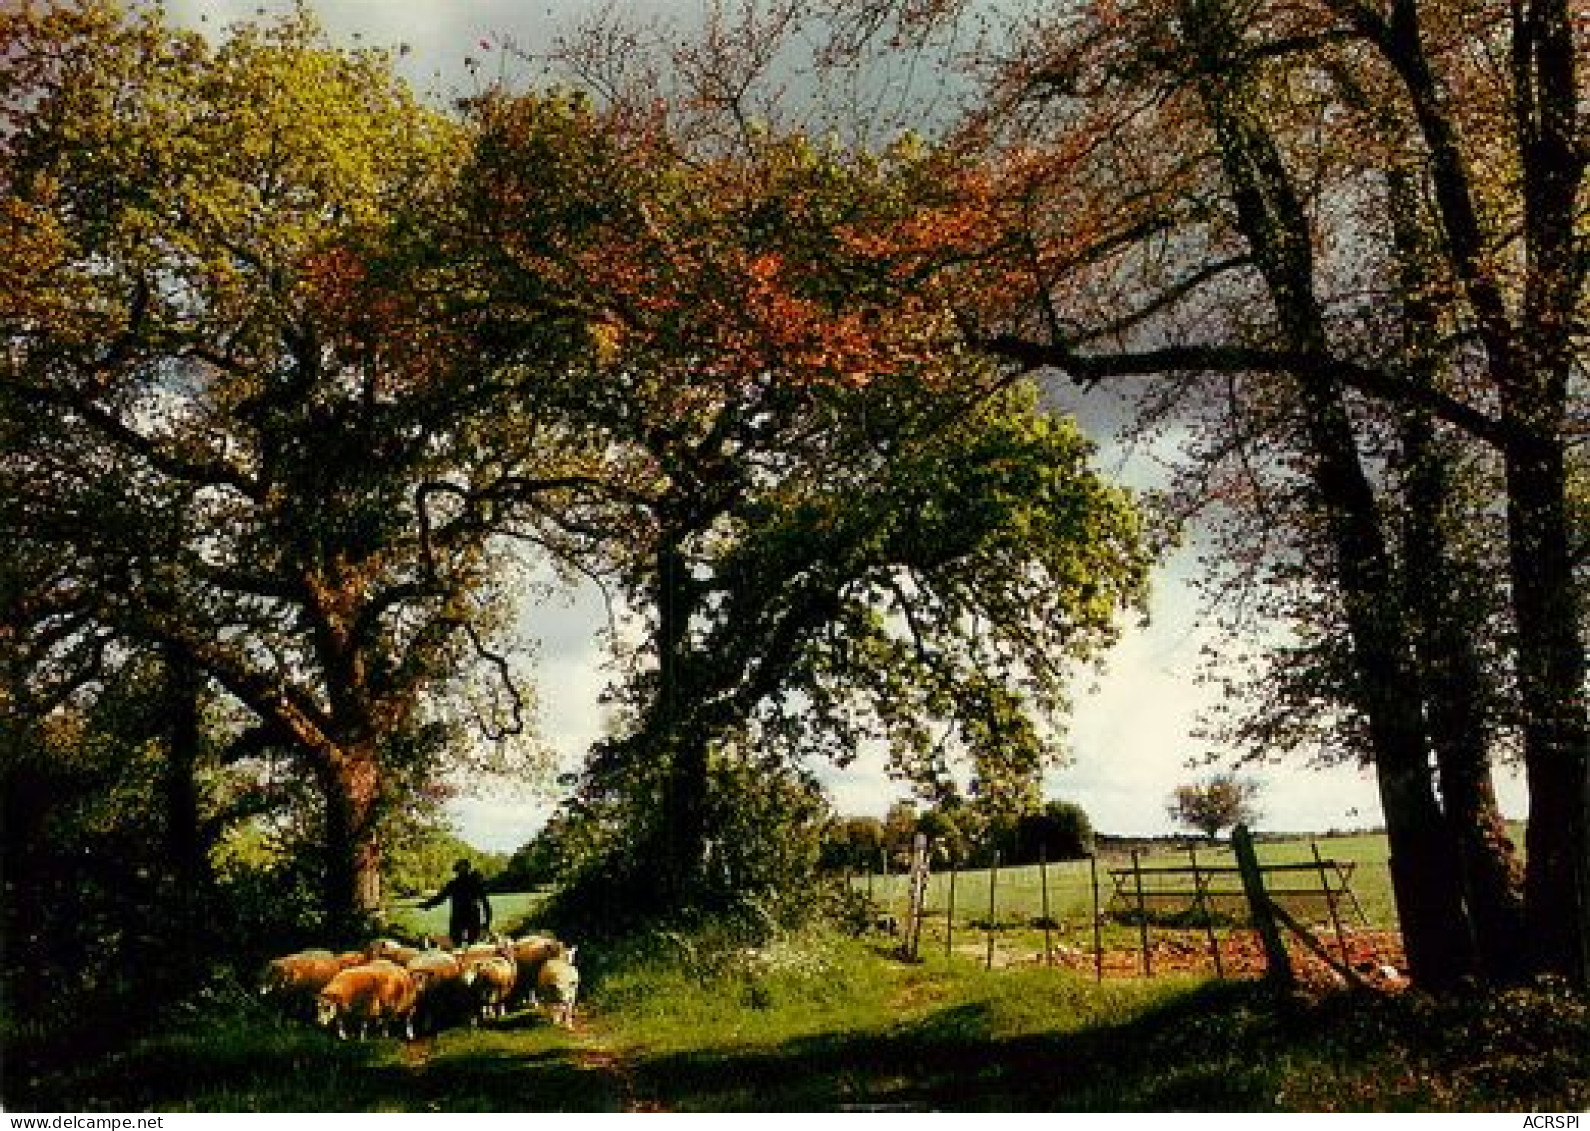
x=817, y=1022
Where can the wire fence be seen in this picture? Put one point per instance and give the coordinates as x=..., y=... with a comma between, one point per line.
x=1149, y=909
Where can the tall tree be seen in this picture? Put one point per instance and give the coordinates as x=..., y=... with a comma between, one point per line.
x=1146, y=264
x=1269, y=212
x=228, y=385
x=831, y=526
x=1522, y=317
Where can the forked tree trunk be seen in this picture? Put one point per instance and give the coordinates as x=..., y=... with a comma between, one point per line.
x=1445, y=624
x=1425, y=867
x=1529, y=359
x=1269, y=213
x=1551, y=684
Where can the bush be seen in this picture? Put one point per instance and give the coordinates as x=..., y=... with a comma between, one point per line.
x=760, y=872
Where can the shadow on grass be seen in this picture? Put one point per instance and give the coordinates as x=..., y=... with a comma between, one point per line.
x=1222, y=1047
x=291, y=1068
x=949, y=1059
x=1219, y=1047
x=1188, y=1054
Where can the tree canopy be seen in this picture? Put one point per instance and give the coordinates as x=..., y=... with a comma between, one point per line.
x=1220, y=802
x=1341, y=246
x=293, y=362
x=226, y=384
x=832, y=526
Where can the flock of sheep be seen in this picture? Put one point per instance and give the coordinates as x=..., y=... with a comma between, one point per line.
x=399, y=986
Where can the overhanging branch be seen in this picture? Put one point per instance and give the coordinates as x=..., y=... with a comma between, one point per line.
x=1089, y=370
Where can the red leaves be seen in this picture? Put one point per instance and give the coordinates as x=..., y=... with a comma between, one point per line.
x=790, y=264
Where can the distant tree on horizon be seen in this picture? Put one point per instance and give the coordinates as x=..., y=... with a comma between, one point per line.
x=1221, y=802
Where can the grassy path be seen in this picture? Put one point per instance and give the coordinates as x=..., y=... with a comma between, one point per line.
x=598, y=1053
x=835, y=1025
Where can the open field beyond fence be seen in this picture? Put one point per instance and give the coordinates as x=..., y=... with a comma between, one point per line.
x=1010, y=928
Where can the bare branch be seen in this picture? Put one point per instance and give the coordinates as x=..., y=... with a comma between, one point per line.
x=1089, y=370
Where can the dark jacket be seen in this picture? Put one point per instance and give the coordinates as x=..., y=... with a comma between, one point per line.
x=470, y=913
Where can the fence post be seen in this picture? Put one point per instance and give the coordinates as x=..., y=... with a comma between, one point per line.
x=949, y=915
x=1203, y=904
x=993, y=883
x=1098, y=928
x=1330, y=903
x=887, y=896
x=916, y=896
x=1142, y=915
x=1280, y=966
x=1043, y=881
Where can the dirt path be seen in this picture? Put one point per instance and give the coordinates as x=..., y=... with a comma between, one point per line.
x=597, y=1053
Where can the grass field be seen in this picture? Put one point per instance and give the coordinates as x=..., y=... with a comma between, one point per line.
x=821, y=1023
x=1019, y=894
x=509, y=910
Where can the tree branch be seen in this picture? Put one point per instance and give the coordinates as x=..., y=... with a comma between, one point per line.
x=211, y=473
x=1088, y=370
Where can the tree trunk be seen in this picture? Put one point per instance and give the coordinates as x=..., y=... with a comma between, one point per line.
x=1549, y=104
x=1454, y=692
x=1529, y=361
x=1269, y=214
x=185, y=847
x=352, y=892
x=686, y=815
x=683, y=749
x=1446, y=624
x=1425, y=867
x=1551, y=674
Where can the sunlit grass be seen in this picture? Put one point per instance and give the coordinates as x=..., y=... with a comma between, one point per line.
x=822, y=1022
x=510, y=910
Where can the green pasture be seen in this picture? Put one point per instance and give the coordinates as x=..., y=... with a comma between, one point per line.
x=826, y=1023
x=509, y=910
x=1067, y=888
x=819, y=1021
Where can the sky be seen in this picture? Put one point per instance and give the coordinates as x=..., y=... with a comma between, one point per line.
x=1134, y=724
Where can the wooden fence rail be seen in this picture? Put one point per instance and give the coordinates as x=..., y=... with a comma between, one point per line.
x=1200, y=894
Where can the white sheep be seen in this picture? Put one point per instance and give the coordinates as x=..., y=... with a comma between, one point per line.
x=531, y=953
x=295, y=979
x=489, y=970
x=557, y=985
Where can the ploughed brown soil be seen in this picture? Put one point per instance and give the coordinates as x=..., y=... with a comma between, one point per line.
x=1376, y=956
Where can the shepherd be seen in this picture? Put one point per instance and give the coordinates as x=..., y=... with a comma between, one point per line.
x=470, y=913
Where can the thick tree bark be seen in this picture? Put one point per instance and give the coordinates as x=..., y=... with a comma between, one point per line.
x=1424, y=868
x=1454, y=683
x=352, y=891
